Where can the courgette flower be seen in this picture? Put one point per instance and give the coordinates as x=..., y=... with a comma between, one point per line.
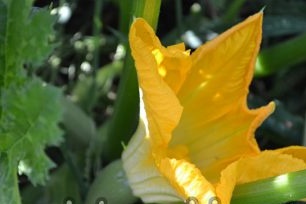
x=196, y=134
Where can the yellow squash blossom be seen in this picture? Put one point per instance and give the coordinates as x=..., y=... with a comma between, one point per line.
x=196, y=134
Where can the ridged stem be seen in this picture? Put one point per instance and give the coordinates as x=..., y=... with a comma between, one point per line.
x=276, y=190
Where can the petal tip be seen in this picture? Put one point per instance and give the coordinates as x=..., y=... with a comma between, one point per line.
x=271, y=107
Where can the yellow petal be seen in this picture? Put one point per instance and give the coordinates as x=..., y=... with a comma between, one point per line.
x=144, y=177
x=162, y=108
x=176, y=64
x=228, y=61
x=248, y=169
x=187, y=180
x=216, y=124
x=172, y=62
x=295, y=151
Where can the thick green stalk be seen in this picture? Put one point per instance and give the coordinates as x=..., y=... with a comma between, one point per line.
x=282, y=55
x=276, y=190
x=125, y=117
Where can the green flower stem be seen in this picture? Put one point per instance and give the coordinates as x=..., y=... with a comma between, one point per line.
x=282, y=55
x=276, y=190
x=125, y=116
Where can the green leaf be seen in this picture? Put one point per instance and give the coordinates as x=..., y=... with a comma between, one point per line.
x=14, y=25
x=36, y=38
x=23, y=38
x=3, y=15
x=29, y=110
x=28, y=124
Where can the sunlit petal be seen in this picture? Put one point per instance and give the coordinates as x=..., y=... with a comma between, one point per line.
x=187, y=179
